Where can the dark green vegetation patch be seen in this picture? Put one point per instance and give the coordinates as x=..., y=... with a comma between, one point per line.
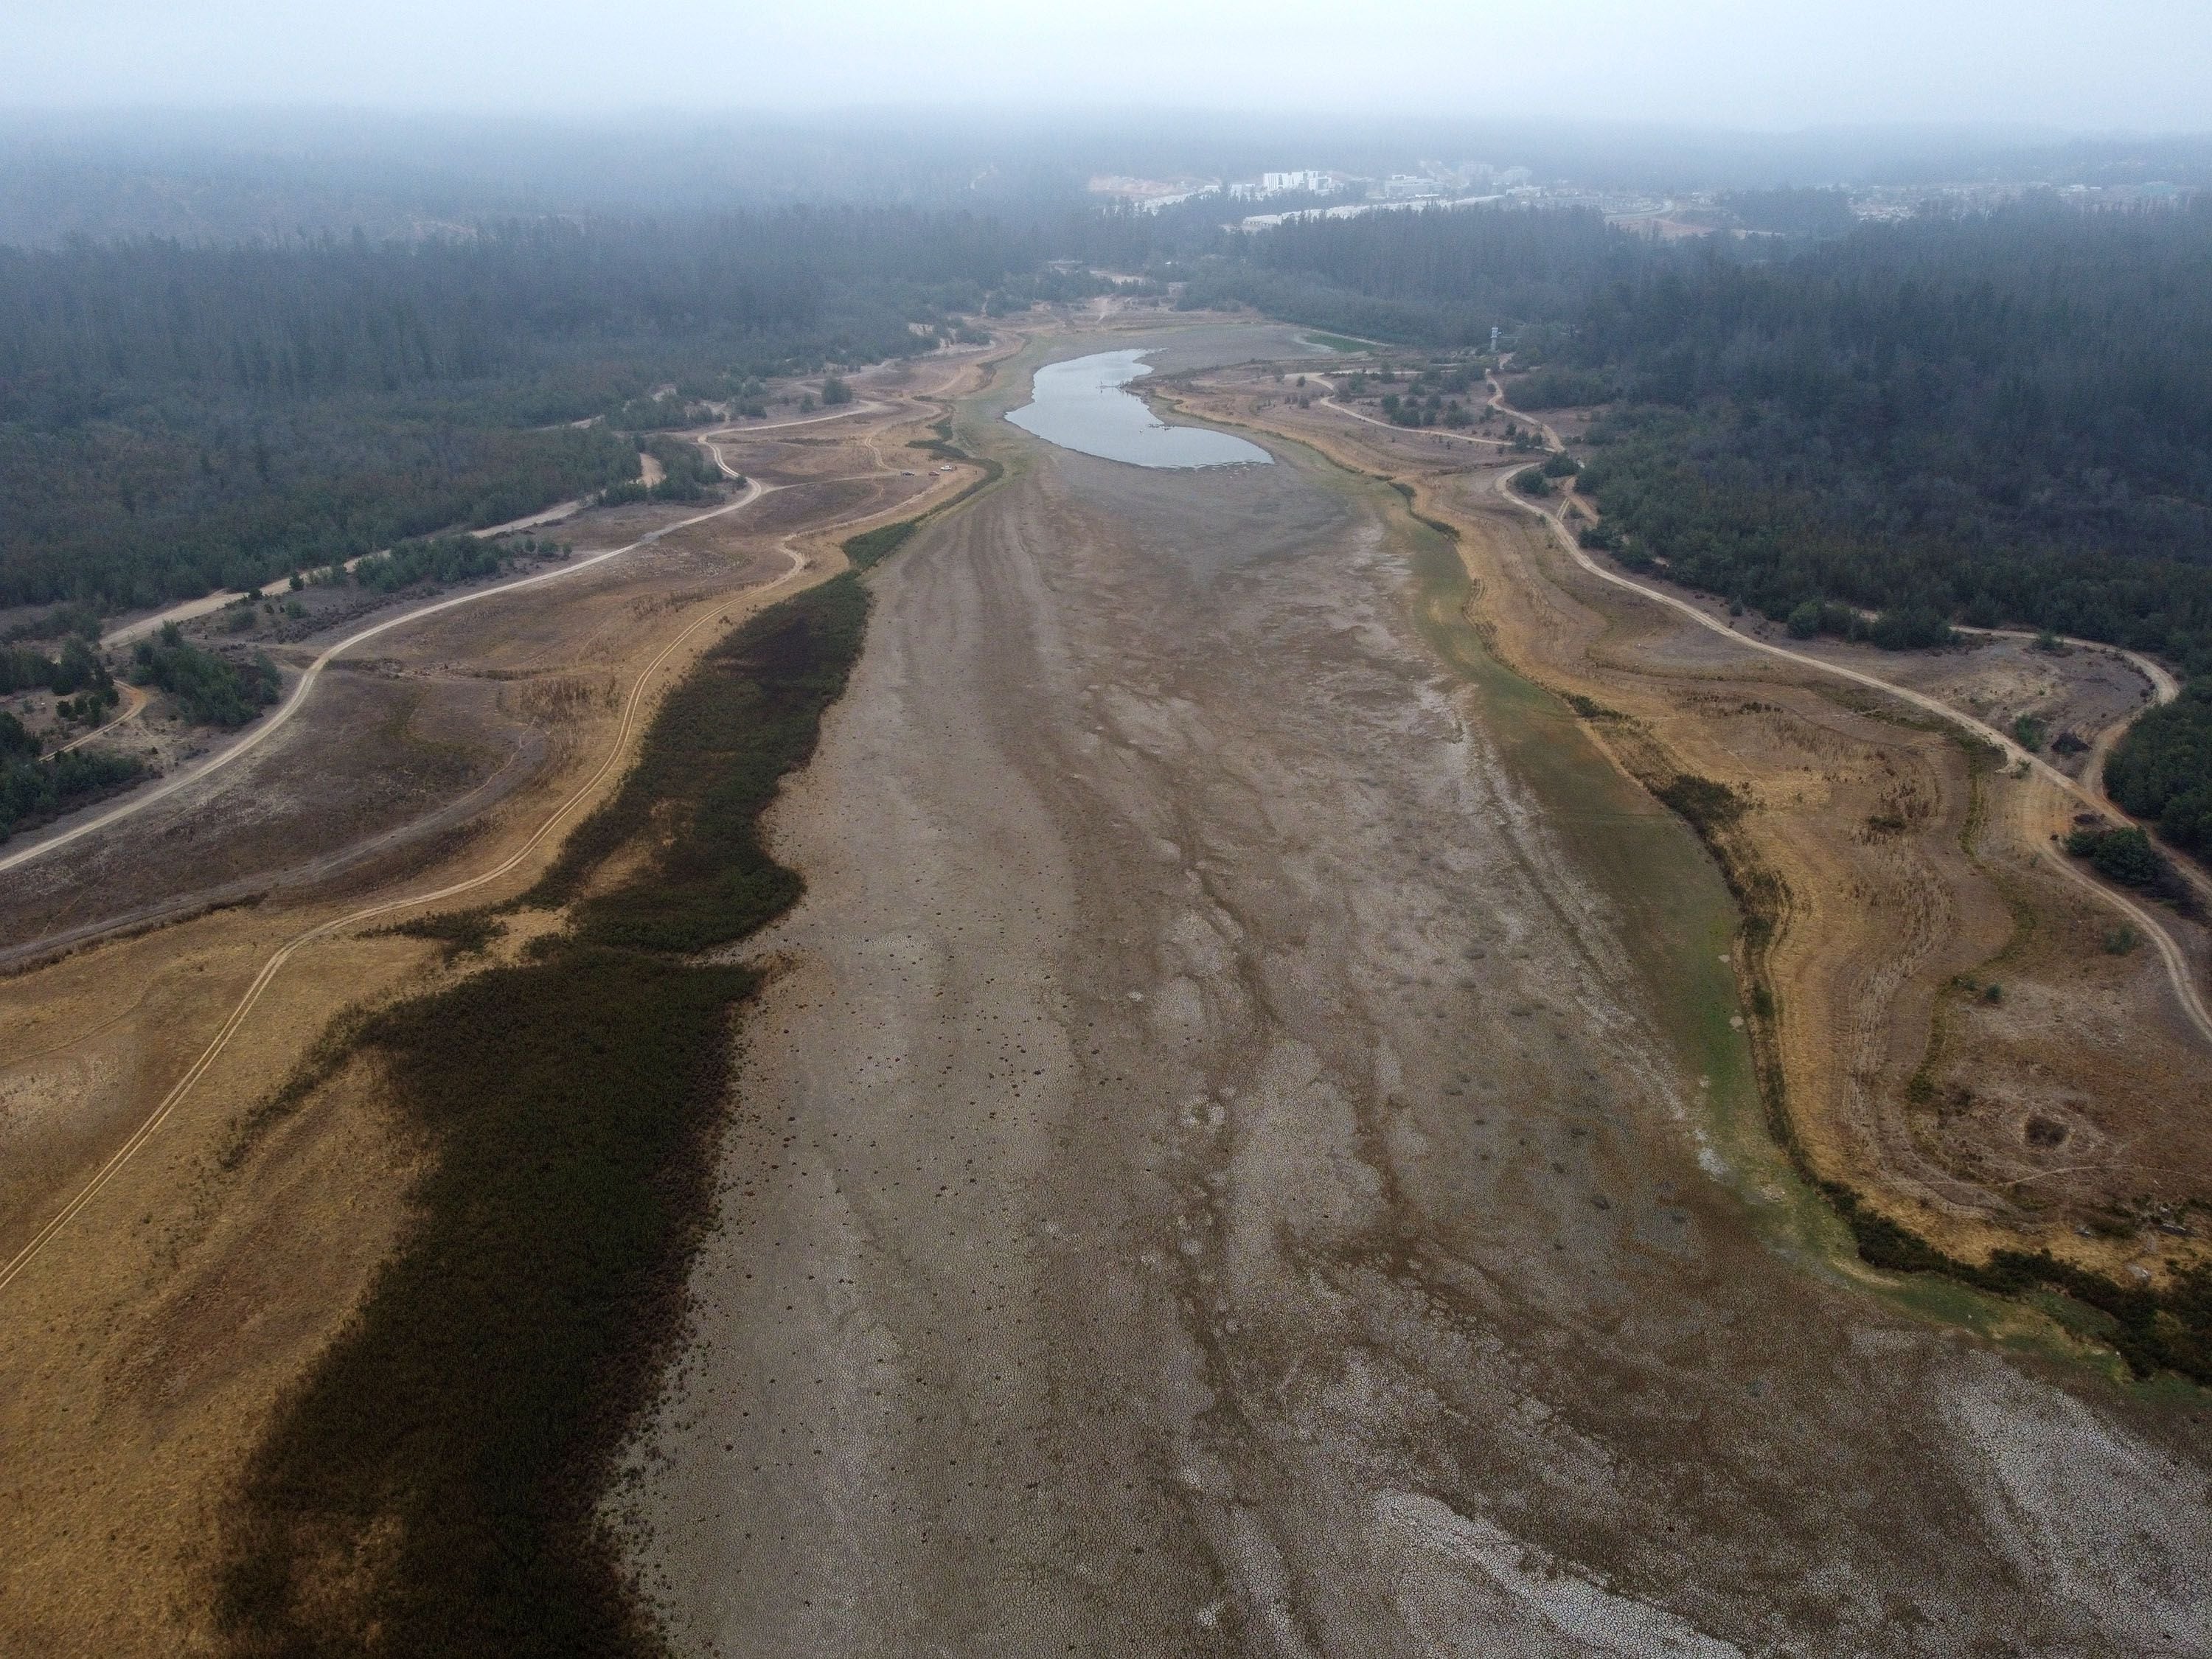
x=429, y=1490
x=33, y=791
x=1709, y=805
x=211, y=689
x=463, y=932
x=721, y=742
x=440, y=559
x=2151, y=1330
x=471, y=1411
x=2162, y=770
x=871, y=547
x=2127, y=857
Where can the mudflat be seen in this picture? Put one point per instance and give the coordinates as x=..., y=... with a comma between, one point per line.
x=1221, y=1168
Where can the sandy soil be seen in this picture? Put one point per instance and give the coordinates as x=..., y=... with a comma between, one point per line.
x=1903, y=887
x=146, y=1341
x=1221, y=1168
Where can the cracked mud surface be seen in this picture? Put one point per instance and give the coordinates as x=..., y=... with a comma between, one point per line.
x=1216, y=1175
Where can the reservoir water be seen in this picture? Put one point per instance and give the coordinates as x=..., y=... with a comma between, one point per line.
x=1081, y=405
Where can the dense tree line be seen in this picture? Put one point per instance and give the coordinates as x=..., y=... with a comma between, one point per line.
x=1434, y=276
x=2162, y=770
x=33, y=790
x=440, y=559
x=2001, y=418
x=174, y=418
x=210, y=688
x=76, y=668
x=182, y=497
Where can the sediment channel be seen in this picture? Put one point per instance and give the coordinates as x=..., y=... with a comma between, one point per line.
x=1233, y=1157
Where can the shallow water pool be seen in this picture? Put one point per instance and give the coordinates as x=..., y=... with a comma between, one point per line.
x=1081, y=405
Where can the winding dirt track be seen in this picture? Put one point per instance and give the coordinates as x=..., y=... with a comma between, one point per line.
x=618, y=752
x=2186, y=992
x=134, y=700
x=260, y=731
x=2188, y=996
x=1215, y=1172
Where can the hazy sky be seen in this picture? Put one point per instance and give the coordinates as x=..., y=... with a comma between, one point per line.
x=2136, y=64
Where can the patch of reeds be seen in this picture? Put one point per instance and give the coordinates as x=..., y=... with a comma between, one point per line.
x=429, y=1488
x=2151, y=1329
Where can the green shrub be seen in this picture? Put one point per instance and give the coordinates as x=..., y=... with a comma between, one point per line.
x=1911, y=627
x=2127, y=857
x=33, y=791
x=2162, y=769
x=871, y=547
x=440, y=559
x=1707, y=805
x=210, y=690
x=452, y=1444
x=463, y=932
x=2151, y=1330
x=2123, y=855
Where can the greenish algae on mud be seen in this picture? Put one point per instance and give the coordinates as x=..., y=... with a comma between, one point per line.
x=1677, y=919
x=1680, y=925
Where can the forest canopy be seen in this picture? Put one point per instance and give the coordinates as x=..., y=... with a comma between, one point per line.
x=1999, y=418
x=176, y=418
x=1879, y=429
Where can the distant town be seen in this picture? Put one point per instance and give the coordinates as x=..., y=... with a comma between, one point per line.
x=1324, y=192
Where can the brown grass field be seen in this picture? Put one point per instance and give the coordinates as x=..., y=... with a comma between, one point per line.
x=149, y=1337
x=1902, y=877
x=1893, y=878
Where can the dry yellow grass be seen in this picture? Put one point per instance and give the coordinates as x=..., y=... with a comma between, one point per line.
x=1899, y=881
x=149, y=1340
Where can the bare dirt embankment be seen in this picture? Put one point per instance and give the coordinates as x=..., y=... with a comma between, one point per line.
x=1973, y=1038
x=1220, y=1170
x=150, y=1335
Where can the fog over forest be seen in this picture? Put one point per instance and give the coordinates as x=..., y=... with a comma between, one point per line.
x=1736, y=63
x=1525, y=971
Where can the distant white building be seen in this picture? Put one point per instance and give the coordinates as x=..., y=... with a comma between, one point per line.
x=1310, y=178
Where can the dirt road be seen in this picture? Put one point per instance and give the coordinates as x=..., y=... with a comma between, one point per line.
x=445, y=893
x=561, y=815
x=2063, y=795
x=267, y=726
x=1219, y=1173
